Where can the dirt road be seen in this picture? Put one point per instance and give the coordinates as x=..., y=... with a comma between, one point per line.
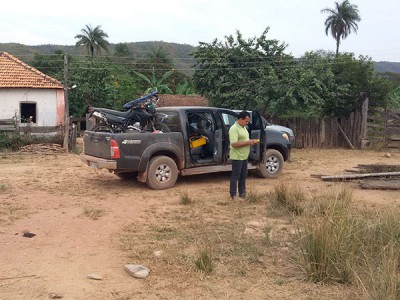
x=82, y=220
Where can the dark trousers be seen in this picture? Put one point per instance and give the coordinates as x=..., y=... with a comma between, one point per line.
x=238, y=177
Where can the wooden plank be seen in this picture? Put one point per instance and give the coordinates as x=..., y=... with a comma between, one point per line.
x=378, y=166
x=358, y=176
x=346, y=138
x=7, y=122
x=375, y=118
x=7, y=128
x=381, y=184
x=40, y=129
x=373, y=125
x=393, y=115
x=393, y=144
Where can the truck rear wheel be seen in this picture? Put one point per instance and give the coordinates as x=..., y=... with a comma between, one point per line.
x=272, y=164
x=162, y=173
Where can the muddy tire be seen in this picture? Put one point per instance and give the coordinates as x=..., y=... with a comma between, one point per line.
x=162, y=173
x=272, y=164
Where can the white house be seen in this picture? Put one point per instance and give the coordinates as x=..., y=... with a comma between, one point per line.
x=29, y=95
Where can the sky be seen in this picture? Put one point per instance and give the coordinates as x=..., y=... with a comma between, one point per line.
x=297, y=23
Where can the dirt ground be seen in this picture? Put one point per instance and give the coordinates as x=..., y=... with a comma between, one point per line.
x=89, y=221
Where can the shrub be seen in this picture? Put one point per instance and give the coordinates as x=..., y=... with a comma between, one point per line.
x=204, y=260
x=288, y=197
x=339, y=244
x=185, y=198
x=12, y=142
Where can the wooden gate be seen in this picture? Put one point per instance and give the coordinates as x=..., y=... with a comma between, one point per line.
x=384, y=127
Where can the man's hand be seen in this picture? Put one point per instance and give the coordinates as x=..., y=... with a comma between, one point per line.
x=246, y=143
x=253, y=142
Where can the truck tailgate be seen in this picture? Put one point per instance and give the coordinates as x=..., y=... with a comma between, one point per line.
x=97, y=144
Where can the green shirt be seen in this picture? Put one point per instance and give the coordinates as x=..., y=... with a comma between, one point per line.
x=238, y=133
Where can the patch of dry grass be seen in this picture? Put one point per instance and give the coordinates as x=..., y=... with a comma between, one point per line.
x=93, y=212
x=11, y=211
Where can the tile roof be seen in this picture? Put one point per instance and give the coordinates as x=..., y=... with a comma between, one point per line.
x=181, y=100
x=17, y=74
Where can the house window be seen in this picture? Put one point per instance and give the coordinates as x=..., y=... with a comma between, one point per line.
x=28, y=112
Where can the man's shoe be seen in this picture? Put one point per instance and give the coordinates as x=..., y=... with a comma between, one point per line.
x=242, y=196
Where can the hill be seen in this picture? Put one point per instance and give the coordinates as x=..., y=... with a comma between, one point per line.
x=180, y=53
x=386, y=66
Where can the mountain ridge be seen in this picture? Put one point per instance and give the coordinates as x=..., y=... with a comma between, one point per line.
x=179, y=53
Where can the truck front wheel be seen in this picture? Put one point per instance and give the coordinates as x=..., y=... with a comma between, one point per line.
x=162, y=173
x=271, y=165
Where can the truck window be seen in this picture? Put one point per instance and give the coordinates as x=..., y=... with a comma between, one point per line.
x=171, y=119
x=228, y=119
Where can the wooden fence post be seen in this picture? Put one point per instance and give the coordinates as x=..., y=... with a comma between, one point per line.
x=364, y=118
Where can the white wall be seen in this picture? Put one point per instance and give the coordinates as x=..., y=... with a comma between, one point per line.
x=45, y=99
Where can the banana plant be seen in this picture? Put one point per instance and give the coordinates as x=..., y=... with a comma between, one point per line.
x=155, y=84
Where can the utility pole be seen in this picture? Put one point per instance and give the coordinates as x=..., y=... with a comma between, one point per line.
x=66, y=120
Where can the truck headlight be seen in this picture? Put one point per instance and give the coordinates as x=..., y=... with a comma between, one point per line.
x=285, y=136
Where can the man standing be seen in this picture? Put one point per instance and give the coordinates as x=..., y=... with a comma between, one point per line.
x=239, y=153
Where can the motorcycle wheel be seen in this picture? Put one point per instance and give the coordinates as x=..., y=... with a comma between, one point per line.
x=162, y=127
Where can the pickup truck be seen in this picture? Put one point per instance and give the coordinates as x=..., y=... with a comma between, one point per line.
x=197, y=143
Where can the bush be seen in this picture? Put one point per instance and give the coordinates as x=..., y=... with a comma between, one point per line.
x=289, y=198
x=13, y=142
x=339, y=244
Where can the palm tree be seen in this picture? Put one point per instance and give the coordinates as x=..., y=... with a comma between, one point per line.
x=92, y=40
x=341, y=21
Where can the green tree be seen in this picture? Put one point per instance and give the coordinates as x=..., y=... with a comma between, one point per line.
x=100, y=83
x=155, y=84
x=122, y=50
x=257, y=74
x=243, y=73
x=50, y=64
x=340, y=80
x=157, y=62
x=93, y=40
x=341, y=21
x=185, y=88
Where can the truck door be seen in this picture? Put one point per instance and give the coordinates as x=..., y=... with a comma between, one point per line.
x=205, y=135
x=228, y=118
x=218, y=152
x=256, y=131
